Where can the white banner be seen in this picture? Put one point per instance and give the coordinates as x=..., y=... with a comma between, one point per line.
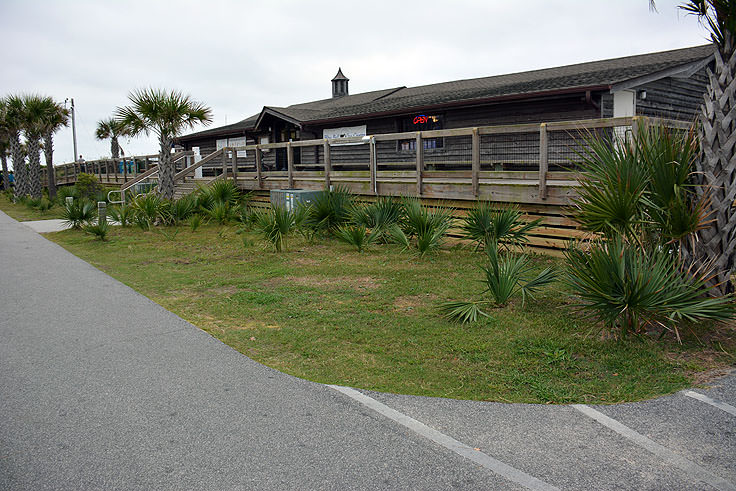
x=344, y=132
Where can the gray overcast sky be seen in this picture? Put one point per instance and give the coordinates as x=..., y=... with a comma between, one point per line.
x=237, y=56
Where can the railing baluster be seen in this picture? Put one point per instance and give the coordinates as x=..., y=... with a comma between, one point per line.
x=328, y=163
x=543, y=160
x=420, y=162
x=259, y=175
x=476, y=162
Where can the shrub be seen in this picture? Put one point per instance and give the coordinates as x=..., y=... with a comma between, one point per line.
x=628, y=288
x=378, y=216
x=149, y=210
x=275, y=226
x=181, y=209
x=220, y=191
x=331, y=209
x=78, y=213
x=99, y=230
x=422, y=227
x=121, y=214
x=65, y=191
x=87, y=186
x=195, y=221
x=221, y=213
x=355, y=235
x=503, y=225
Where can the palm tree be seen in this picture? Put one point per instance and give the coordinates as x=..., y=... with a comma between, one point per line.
x=35, y=111
x=13, y=122
x=113, y=129
x=4, y=144
x=55, y=117
x=716, y=168
x=166, y=114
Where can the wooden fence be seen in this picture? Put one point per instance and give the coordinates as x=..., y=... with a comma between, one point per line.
x=530, y=165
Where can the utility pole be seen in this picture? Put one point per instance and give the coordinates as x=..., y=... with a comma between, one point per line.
x=74, y=132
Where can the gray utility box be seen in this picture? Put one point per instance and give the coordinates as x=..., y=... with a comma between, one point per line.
x=290, y=198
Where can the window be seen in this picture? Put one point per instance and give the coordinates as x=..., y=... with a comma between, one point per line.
x=421, y=122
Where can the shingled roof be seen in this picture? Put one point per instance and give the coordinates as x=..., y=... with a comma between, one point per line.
x=582, y=76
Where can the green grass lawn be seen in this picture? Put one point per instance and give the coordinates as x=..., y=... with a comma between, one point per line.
x=24, y=213
x=326, y=313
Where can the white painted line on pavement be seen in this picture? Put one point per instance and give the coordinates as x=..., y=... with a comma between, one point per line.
x=704, y=398
x=660, y=451
x=505, y=470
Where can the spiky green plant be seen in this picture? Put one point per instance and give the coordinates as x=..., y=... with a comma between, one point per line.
x=331, y=209
x=628, y=288
x=181, y=209
x=78, y=213
x=505, y=275
x=149, y=210
x=121, y=214
x=421, y=226
x=195, y=221
x=221, y=213
x=504, y=225
x=275, y=225
x=220, y=191
x=99, y=230
x=355, y=235
x=378, y=216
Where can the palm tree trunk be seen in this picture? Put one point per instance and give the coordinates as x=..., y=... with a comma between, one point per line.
x=6, y=175
x=34, y=167
x=114, y=148
x=48, y=140
x=19, y=166
x=717, y=168
x=165, y=169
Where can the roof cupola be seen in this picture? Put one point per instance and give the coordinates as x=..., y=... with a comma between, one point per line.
x=339, y=84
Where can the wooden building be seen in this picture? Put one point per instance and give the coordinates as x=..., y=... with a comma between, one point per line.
x=668, y=84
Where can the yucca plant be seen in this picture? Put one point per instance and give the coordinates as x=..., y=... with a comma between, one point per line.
x=421, y=227
x=355, y=235
x=275, y=225
x=99, y=230
x=149, y=210
x=221, y=213
x=629, y=288
x=121, y=214
x=181, y=209
x=505, y=275
x=78, y=213
x=195, y=221
x=330, y=209
x=378, y=216
x=503, y=225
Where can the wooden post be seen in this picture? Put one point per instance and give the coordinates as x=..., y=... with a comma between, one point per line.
x=328, y=164
x=145, y=168
x=373, y=164
x=476, y=162
x=235, y=165
x=420, y=162
x=543, y=160
x=259, y=176
x=117, y=172
x=125, y=170
x=224, y=163
x=290, y=164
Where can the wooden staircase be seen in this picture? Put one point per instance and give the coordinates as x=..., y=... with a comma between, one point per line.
x=184, y=181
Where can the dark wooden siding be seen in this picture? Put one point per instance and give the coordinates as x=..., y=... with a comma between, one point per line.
x=673, y=98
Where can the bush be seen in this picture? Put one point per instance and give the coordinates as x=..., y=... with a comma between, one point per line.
x=87, y=186
x=149, y=210
x=629, y=288
x=421, y=227
x=505, y=275
x=181, y=209
x=121, y=214
x=66, y=191
x=99, y=230
x=330, y=209
x=78, y=213
x=195, y=221
x=275, y=225
x=355, y=235
x=379, y=216
x=502, y=225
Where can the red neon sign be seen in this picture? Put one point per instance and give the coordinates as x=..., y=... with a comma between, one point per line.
x=421, y=119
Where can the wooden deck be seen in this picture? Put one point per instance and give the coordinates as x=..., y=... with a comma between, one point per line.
x=524, y=158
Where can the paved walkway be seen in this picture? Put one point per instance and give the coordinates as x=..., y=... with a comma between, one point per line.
x=102, y=388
